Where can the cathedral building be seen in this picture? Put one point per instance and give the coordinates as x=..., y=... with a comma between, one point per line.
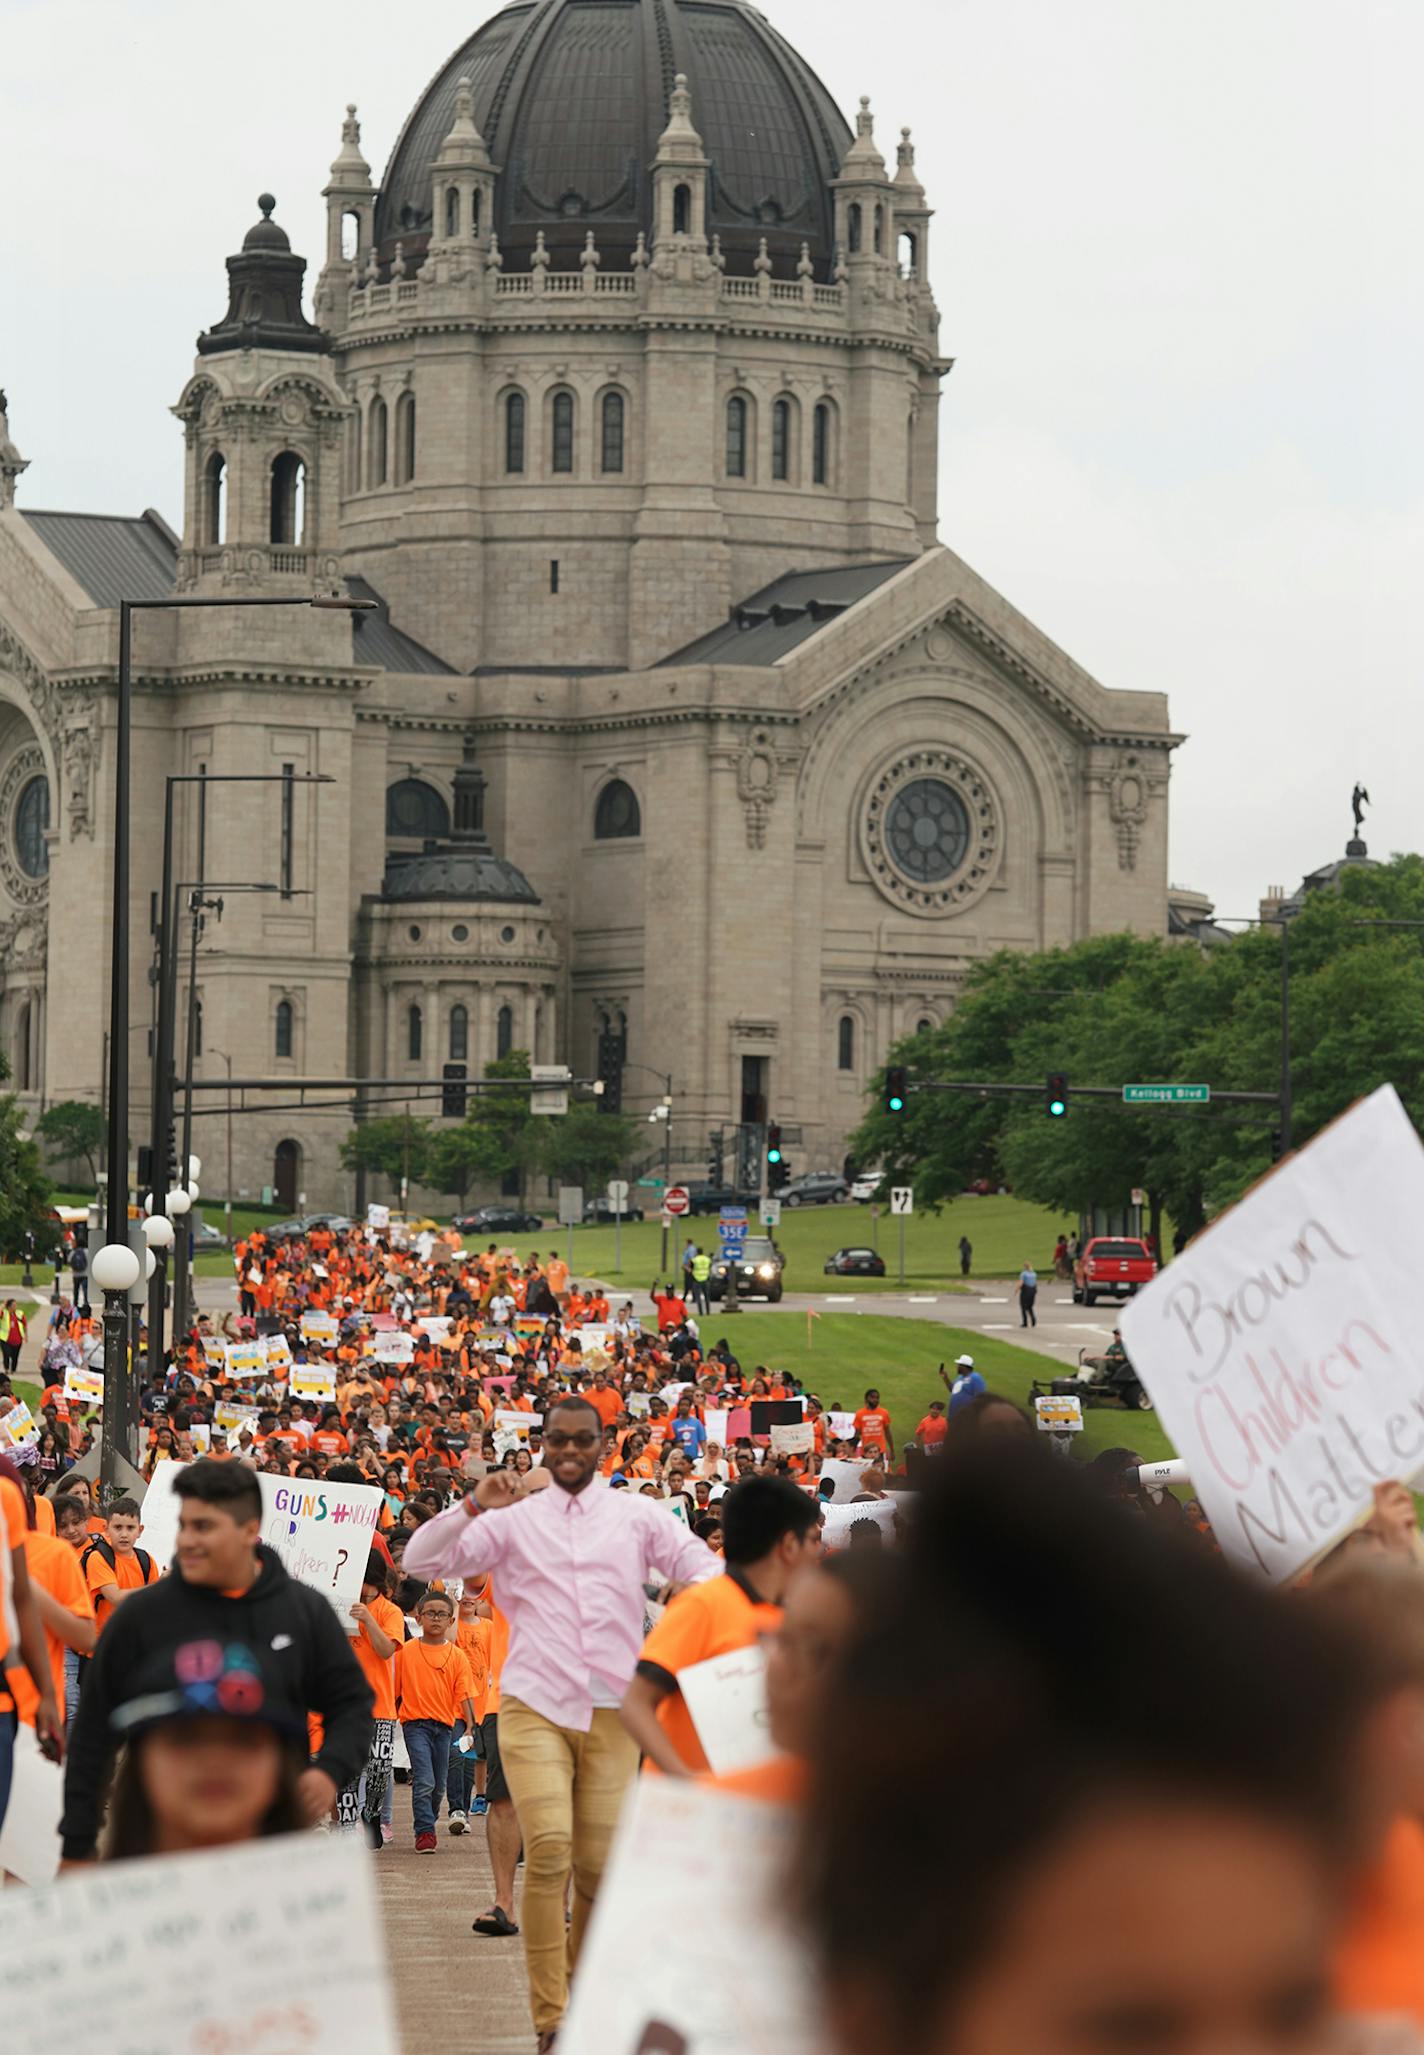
x=619, y=395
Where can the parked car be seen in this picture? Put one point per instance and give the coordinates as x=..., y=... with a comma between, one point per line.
x=711, y=1198
x=498, y=1220
x=816, y=1188
x=605, y=1210
x=758, y=1272
x=855, y=1263
x=208, y=1238
x=1111, y=1266
x=865, y=1186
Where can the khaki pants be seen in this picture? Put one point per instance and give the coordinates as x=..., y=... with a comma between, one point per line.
x=567, y=1789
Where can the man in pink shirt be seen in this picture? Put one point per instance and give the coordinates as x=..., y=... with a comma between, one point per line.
x=569, y=1566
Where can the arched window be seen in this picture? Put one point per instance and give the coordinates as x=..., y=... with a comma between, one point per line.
x=459, y=1034
x=32, y=826
x=215, y=499
x=504, y=1031
x=853, y=226
x=845, y=1043
x=356, y=451
x=475, y=212
x=909, y=253
x=612, y=452
x=350, y=236
x=414, y=1034
x=288, y=499
x=924, y=1027
x=682, y=210
x=282, y=1029
x=616, y=814
x=197, y=1027
x=22, y=1048
x=405, y=438
x=416, y=812
x=880, y=231
x=562, y=438
x=452, y=211
x=378, y=440
x=821, y=446
x=514, y=432
x=736, y=437
x=781, y=439
x=286, y=1174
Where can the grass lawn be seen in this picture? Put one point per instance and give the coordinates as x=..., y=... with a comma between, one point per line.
x=851, y=1352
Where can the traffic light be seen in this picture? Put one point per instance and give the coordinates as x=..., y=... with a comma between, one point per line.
x=610, y=1070
x=1276, y=1149
x=1056, y=1094
x=773, y=1144
x=453, y=1097
x=777, y=1170
x=897, y=1087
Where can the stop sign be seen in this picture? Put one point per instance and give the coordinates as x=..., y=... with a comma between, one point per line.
x=677, y=1200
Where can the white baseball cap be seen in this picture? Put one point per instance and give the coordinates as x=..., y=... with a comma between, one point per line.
x=964, y=1362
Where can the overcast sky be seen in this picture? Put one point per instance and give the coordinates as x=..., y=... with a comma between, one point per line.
x=1178, y=257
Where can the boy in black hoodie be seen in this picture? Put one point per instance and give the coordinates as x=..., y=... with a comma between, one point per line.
x=227, y=1584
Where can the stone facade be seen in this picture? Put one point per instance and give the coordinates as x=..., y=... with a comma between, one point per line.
x=765, y=840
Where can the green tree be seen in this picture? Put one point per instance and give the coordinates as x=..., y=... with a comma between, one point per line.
x=500, y=1137
x=465, y=1155
x=583, y=1146
x=397, y=1145
x=26, y=1194
x=72, y=1128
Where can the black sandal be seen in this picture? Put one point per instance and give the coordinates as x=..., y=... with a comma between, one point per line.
x=498, y=1924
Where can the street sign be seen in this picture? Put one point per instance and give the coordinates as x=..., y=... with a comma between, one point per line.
x=677, y=1200
x=617, y=1192
x=1139, y=1197
x=1165, y=1095
x=652, y=1184
x=570, y=1205
x=771, y=1212
x=732, y=1229
x=551, y=1096
x=902, y=1198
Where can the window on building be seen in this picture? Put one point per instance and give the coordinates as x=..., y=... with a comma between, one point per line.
x=414, y=1034
x=514, y=432
x=475, y=213
x=459, y=1034
x=215, y=499
x=612, y=452
x=736, y=437
x=504, y=1031
x=924, y=1027
x=350, y=236
x=452, y=210
x=845, y=1043
x=287, y=840
x=821, y=446
x=909, y=254
x=288, y=499
x=781, y=439
x=22, y=1049
x=32, y=826
x=282, y=1028
x=416, y=812
x=682, y=210
x=616, y=815
x=355, y=471
x=562, y=424
x=379, y=454
x=880, y=231
x=853, y=230
x=405, y=438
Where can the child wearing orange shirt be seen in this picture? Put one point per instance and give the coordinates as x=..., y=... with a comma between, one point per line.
x=434, y=1689
x=380, y=1630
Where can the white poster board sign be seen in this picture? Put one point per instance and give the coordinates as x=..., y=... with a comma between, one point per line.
x=85, y=1387
x=845, y=1477
x=1282, y=1348
x=17, y=1427
x=29, y=1839
x=843, y=1426
x=312, y=1381
x=726, y=1696
x=704, y=1873
x=394, y=1345
x=793, y=1441
x=322, y=1532
x=320, y=1327
x=378, y=1217
x=302, y=1906
x=838, y=1520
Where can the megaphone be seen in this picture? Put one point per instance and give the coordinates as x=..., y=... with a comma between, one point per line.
x=1160, y=1477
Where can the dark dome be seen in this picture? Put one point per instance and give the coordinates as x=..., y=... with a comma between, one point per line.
x=456, y=874
x=571, y=97
x=265, y=234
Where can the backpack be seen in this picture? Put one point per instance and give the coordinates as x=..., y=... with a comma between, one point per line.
x=106, y=1550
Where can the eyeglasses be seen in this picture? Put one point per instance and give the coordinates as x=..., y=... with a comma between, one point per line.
x=582, y=1441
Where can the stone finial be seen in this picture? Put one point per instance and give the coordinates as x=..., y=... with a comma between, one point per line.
x=905, y=153
x=639, y=258
x=839, y=273
x=464, y=144
x=719, y=255
x=589, y=257
x=804, y=267
x=865, y=120
x=540, y=258
x=373, y=269
x=398, y=262
x=11, y=462
x=679, y=141
x=349, y=169
x=906, y=179
x=862, y=159
x=494, y=257
x=762, y=262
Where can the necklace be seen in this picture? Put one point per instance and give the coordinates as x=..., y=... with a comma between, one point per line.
x=440, y=1668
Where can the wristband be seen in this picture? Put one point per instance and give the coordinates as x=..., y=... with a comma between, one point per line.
x=472, y=1506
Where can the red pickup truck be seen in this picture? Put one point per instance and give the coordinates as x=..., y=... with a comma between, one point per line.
x=1111, y=1266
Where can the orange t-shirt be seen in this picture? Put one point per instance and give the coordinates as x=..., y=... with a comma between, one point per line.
x=474, y=1638
x=498, y=1650
x=127, y=1573
x=608, y=1404
x=433, y=1683
x=872, y=1425
x=44, y=1515
x=713, y=1618
x=784, y=1780
x=932, y=1430
x=379, y=1670
x=1379, y=1966
x=14, y=1529
x=55, y=1565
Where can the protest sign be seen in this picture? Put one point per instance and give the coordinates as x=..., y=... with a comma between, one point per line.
x=436, y=1325
x=512, y=1429
x=845, y=1477
x=378, y=1217
x=214, y=1351
x=1059, y=1415
x=201, y=1436
x=769, y=1413
x=278, y=1353
x=594, y=1335
x=312, y=1381
x=843, y=1426
x=301, y=1906
x=726, y=1696
x=18, y=1428
x=739, y=1424
x=714, y=1419
x=322, y=1532
x=640, y=1402
x=396, y=1346
x=246, y=1359
x=319, y=1327
x=837, y=1520
x=1280, y=1348
x=86, y=1387
x=704, y=1873
x=793, y=1441
x=232, y=1417
x=29, y=1839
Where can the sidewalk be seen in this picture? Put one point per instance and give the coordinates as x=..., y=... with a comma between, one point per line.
x=454, y=1989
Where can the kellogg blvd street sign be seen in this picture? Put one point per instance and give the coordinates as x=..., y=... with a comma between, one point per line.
x=1165, y=1095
